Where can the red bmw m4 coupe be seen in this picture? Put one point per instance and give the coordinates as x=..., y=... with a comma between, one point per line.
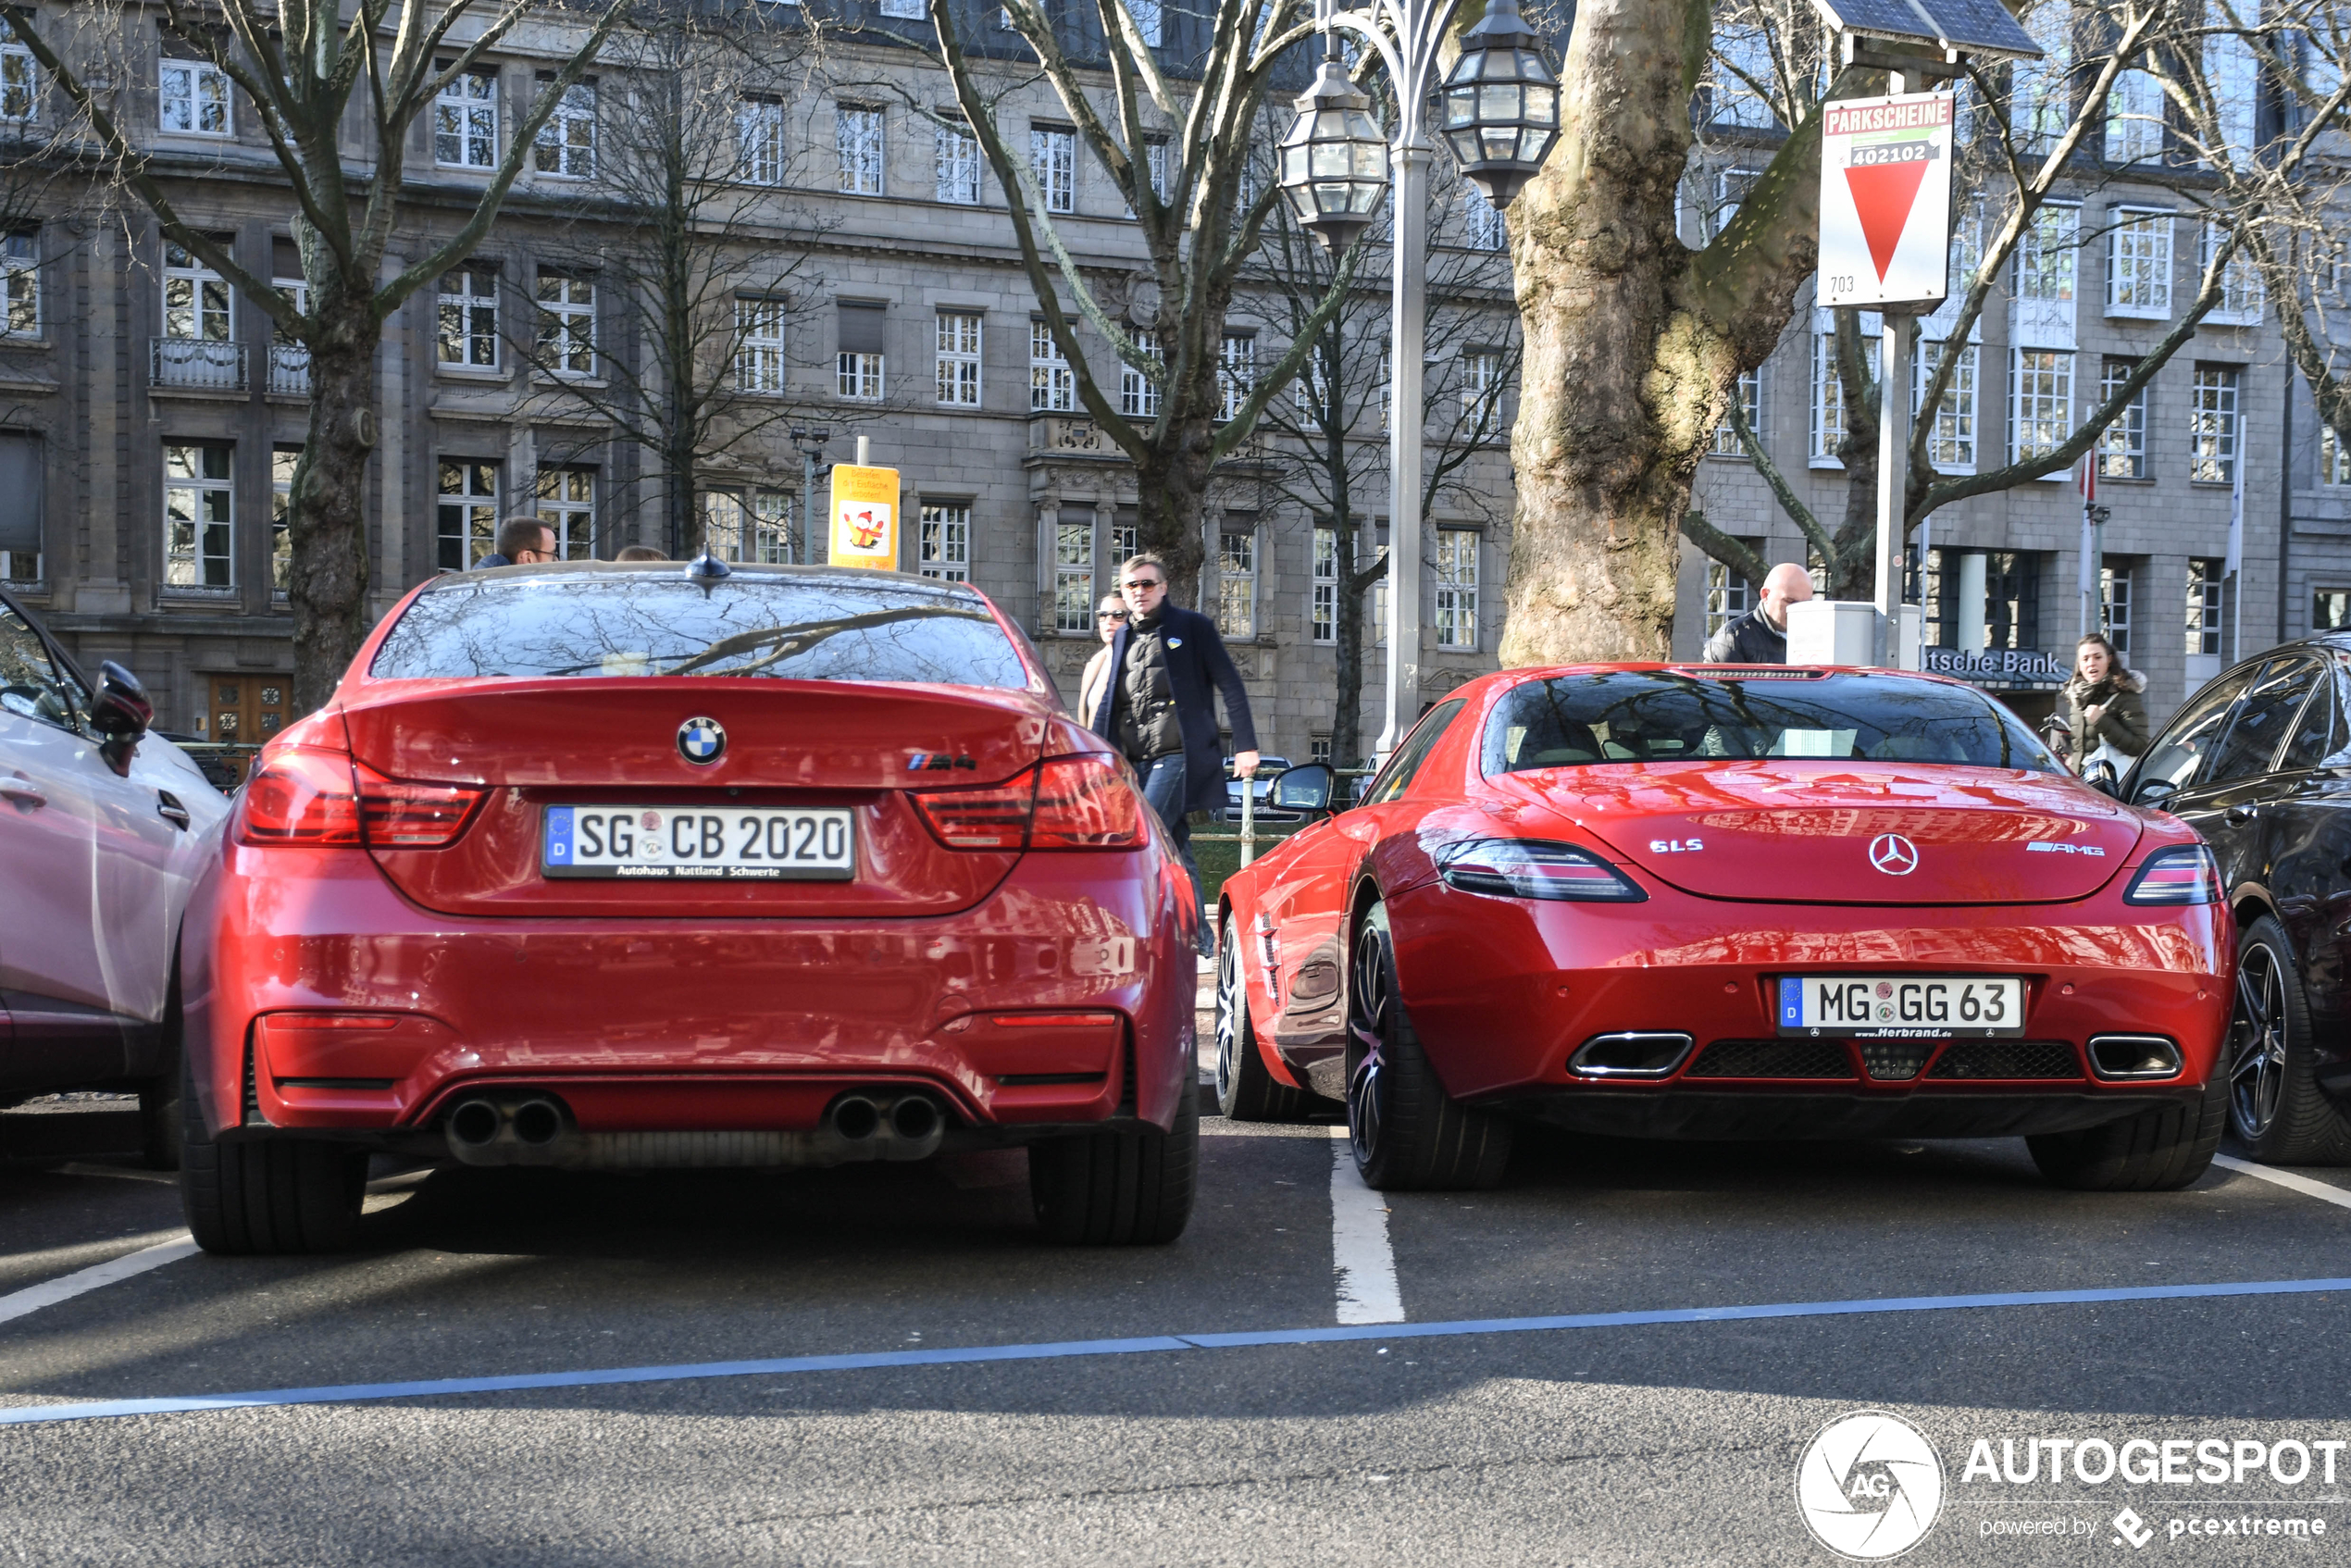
x=621, y=867
x=1731, y=903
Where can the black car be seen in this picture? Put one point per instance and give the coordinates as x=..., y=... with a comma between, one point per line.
x=2259, y=763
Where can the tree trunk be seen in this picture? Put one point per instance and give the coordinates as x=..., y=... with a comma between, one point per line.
x=1170, y=489
x=327, y=514
x=1633, y=342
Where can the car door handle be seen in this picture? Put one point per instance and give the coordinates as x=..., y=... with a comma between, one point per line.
x=21, y=791
x=2237, y=817
x=167, y=806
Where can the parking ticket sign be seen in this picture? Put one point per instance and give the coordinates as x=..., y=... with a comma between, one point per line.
x=865, y=517
x=1885, y=200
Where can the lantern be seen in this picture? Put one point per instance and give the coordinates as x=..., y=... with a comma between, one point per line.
x=1334, y=162
x=1501, y=104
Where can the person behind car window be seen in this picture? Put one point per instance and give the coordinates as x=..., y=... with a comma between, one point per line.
x=1759, y=637
x=1108, y=617
x=523, y=542
x=641, y=552
x=2102, y=706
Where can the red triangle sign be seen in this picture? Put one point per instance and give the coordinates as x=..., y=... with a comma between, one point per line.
x=1883, y=195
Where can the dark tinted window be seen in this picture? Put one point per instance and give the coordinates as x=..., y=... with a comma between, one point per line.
x=801, y=627
x=1580, y=721
x=2171, y=763
x=2270, y=708
x=1397, y=776
x=2320, y=733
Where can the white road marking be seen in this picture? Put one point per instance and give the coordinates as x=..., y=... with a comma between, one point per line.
x=2304, y=1184
x=1360, y=1258
x=48, y=1293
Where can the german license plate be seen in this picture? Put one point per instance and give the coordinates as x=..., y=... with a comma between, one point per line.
x=738, y=844
x=1902, y=1006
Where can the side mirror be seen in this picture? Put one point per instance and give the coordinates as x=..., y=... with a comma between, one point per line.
x=120, y=714
x=2154, y=793
x=1305, y=787
x=2100, y=776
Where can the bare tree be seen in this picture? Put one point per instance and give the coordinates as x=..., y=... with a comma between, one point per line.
x=297, y=64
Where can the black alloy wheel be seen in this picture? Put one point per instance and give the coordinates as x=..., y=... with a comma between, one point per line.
x=1246, y=1090
x=2276, y=1108
x=1407, y=1133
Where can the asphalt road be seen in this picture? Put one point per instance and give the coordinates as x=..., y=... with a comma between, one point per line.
x=1647, y=1442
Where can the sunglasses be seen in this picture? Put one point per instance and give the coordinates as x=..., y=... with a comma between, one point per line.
x=1142, y=583
x=1109, y=615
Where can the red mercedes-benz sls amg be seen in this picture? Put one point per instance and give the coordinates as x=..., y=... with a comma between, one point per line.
x=1731, y=903
x=625, y=867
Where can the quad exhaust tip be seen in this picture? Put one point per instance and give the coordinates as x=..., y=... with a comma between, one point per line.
x=1636, y=1054
x=2119, y=1058
x=856, y=1118
x=475, y=1123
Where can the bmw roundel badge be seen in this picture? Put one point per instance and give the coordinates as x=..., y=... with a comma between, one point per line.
x=701, y=741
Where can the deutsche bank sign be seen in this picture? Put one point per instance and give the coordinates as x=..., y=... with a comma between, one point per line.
x=1995, y=666
x=1885, y=200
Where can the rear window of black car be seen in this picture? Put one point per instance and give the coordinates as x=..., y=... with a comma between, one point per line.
x=1632, y=717
x=807, y=626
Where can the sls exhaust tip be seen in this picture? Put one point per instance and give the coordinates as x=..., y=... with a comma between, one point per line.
x=856, y=1118
x=914, y=1118
x=538, y=1122
x=473, y=1124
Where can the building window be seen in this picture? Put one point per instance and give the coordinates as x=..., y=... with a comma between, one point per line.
x=284, y=460
x=1149, y=21
x=1235, y=373
x=2041, y=104
x=2133, y=118
x=469, y=318
x=2205, y=580
x=1482, y=225
x=1138, y=393
x=771, y=541
x=858, y=370
x=2234, y=77
x=1155, y=161
x=2114, y=605
x=959, y=347
x=2212, y=425
x=1053, y=387
x=1052, y=159
x=468, y=522
x=759, y=346
x=20, y=84
x=2040, y=402
x=199, y=516
x=1323, y=609
x=1728, y=594
x=197, y=301
x=1742, y=62
x=2009, y=615
x=566, y=323
x=860, y=377
x=566, y=143
x=857, y=136
x=759, y=142
x=2331, y=609
x=2242, y=296
x=2122, y=447
x=755, y=528
x=1750, y=391
x=722, y=524
x=2138, y=265
x=945, y=548
x=1952, y=446
x=1124, y=531
x=20, y=285
x=2334, y=457
x=1237, y=582
x=1828, y=400
x=1318, y=749
x=1074, y=573
x=464, y=122
x=957, y=154
x=903, y=10
x=2047, y=253
x=1457, y=588
x=194, y=96
x=1482, y=383
x=567, y=504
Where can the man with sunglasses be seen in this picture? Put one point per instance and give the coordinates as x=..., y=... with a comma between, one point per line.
x=1159, y=706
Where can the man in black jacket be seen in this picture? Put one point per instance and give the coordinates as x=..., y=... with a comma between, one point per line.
x=1759, y=637
x=523, y=542
x=1160, y=708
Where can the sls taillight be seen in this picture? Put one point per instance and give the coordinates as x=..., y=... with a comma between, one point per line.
x=1067, y=803
x=314, y=796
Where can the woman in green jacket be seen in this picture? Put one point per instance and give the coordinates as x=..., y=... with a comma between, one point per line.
x=2101, y=705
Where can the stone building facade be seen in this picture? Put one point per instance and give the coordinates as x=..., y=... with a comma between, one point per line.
x=149, y=419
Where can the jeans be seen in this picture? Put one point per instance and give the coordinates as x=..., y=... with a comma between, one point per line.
x=1163, y=789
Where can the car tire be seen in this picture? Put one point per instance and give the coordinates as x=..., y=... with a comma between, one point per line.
x=266, y=1196
x=1120, y=1189
x=1408, y=1134
x=2158, y=1151
x=162, y=1122
x=2276, y=1108
x=1246, y=1090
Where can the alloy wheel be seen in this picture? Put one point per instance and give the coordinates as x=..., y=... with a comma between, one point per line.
x=2257, y=1038
x=1367, y=1006
x=1228, y=1007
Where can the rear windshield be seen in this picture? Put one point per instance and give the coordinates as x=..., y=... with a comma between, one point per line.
x=1626, y=716
x=801, y=627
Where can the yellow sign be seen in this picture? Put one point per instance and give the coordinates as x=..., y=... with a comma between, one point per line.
x=865, y=517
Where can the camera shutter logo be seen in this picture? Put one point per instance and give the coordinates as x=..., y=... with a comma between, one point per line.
x=1870, y=1485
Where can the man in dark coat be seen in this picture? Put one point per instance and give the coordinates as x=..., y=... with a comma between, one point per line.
x=1759, y=637
x=1159, y=707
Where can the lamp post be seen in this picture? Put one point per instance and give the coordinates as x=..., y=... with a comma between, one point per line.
x=810, y=444
x=1500, y=119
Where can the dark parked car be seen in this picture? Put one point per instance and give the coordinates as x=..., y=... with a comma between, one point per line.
x=2259, y=763
x=1259, y=783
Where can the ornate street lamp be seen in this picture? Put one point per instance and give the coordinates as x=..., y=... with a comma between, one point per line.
x=1501, y=104
x=1334, y=162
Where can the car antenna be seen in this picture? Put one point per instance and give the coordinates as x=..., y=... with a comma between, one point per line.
x=706, y=570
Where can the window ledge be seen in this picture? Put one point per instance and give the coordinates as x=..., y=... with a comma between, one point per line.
x=472, y=372
x=1824, y=462
x=22, y=340
x=482, y=168
x=571, y=379
x=2138, y=313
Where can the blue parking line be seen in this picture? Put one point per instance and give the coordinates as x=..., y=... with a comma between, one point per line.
x=353, y=1393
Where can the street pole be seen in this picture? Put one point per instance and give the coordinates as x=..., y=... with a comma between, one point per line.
x=1893, y=487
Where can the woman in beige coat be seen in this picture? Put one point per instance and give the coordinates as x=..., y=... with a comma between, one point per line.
x=1095, y=683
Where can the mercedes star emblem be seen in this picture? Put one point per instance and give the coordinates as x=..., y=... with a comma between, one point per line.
x=701, y=741
x=1890, y=853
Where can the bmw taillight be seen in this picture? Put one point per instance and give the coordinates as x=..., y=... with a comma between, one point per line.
x=2183, y=874
x=315, y=797
x=1534, y=868
x=1067, y=803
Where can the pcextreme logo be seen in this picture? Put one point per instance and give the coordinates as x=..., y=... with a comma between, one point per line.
x=1870, y=1485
